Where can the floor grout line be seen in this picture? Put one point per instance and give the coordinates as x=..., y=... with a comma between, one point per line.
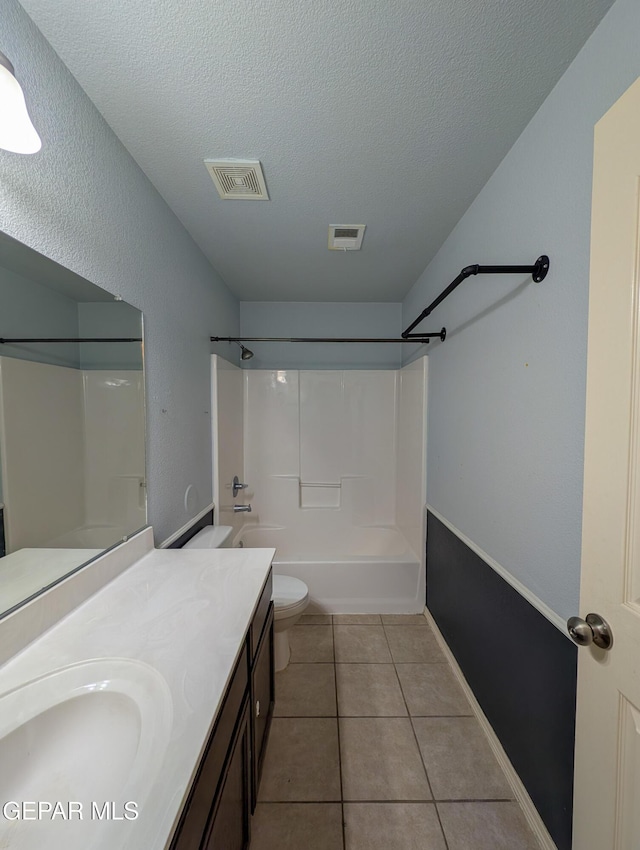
x=424, y=766
x=369, y=716
x=476, y=800
x=335, y=802
x=401, y=663
x=341, y=662
x=335, y=681
x=341, y=623
x=404, y=699
x=295, y=663
x=390, y=800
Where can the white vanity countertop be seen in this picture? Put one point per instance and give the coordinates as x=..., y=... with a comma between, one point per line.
x=184, y=613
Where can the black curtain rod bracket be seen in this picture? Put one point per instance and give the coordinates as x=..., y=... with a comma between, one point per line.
x=538, y=272
x=408, y=337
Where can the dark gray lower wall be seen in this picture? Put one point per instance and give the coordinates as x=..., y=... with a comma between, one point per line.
x=521, y=668
x=199, y=524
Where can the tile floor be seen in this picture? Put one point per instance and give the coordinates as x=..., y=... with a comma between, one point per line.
x=374, y=747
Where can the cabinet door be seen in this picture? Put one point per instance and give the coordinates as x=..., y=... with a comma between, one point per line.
x=262, y=701
x=196, y=816
x=229, y=828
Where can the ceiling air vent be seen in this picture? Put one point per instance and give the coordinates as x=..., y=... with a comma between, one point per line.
x=346, y=237
x=239, y=179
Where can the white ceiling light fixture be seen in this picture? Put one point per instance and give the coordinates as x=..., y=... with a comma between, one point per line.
x=238, y=179
x=17, y=133
x=346, y=237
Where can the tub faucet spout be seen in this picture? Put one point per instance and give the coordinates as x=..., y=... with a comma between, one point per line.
x=242, y=509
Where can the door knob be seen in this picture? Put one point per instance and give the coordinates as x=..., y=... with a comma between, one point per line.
x=593, y=629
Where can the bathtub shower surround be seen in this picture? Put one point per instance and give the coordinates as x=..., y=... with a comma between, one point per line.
x=334, y=461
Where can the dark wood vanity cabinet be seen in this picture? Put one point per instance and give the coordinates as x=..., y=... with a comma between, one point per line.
x=229, y=825
x=223, y=796
x=262, y=703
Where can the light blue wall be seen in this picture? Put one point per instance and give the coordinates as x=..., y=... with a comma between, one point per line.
x=507, y=388
x=28, y=309
x=103, y=319
x=305, y=319
x=84, y=202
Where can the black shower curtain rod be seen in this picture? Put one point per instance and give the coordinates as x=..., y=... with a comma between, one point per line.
x=417, y=338
x=538, y=271
x=13, y=340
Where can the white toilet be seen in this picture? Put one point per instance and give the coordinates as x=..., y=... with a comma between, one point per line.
x=290, y=595
x=211, y=537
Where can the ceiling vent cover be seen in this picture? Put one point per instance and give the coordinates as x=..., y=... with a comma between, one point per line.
x=346, y=237
x=238, y=179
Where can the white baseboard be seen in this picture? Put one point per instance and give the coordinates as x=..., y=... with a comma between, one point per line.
x=520, y=792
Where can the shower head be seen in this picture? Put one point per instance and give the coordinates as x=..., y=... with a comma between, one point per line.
x=246, y=353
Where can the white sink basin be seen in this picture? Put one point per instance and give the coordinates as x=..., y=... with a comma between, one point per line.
x=88, y=734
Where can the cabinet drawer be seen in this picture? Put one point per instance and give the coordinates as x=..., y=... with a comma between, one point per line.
x=196, y=813
x=262, y=612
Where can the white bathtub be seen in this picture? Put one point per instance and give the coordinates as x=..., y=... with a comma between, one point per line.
x=89, y=536
x=362, y=570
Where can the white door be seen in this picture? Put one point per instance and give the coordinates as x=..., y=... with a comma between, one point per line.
x=607, y=772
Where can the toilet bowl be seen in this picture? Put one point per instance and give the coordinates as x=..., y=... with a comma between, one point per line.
x=290, y=598
x=290, y=595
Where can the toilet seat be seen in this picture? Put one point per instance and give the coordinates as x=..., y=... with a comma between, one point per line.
x=289, y=594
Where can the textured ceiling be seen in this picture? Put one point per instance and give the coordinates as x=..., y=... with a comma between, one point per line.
x=389, y=114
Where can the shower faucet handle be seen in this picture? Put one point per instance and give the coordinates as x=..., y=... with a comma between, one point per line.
x=237, y=486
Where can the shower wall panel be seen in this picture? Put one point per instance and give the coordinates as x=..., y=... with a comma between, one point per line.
x=42, y=435
x=323, y=428
x=114, y=439
x=411, y=454
x=322, y=447
x=228, y=445
x=271, y=424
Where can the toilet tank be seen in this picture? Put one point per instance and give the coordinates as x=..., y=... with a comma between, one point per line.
x=211, y=537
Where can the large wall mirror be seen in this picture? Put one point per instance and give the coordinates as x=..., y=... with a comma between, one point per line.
x=72, y=422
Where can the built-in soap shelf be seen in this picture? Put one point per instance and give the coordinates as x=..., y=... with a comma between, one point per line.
x=317, y=494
